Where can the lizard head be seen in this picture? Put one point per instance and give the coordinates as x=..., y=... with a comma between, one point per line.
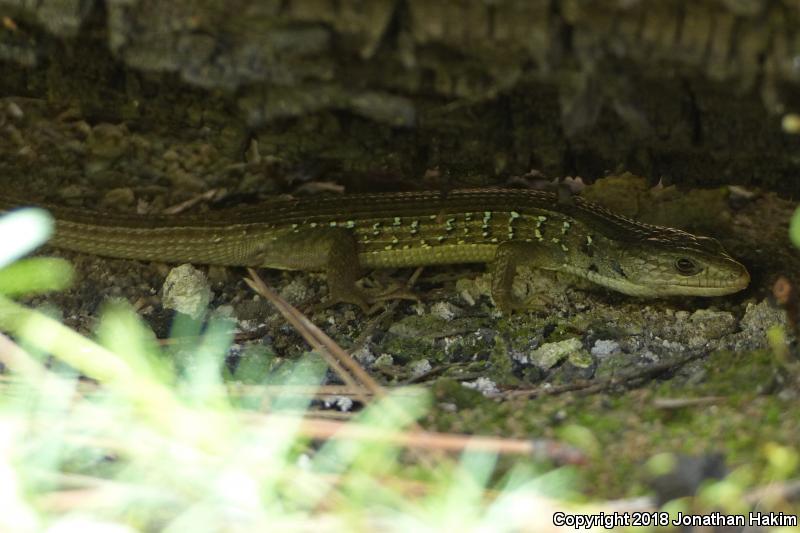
x=676, y=263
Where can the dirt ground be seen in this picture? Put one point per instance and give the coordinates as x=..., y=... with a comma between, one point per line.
x=619, y=377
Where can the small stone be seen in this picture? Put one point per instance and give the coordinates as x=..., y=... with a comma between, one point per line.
x=760, y=317
x=418, y=368
x=343, y=403
x=252, y=155
x=580, y=359
x=649, y=356
x=14, y=111
x=186, y=290
x=448, y=407
x=119, y=197
x=444, y=310
x=385, y=360
x=485, y=386
x=604, y=348
x=676, y=347
x=364, y=356
x=171, y=155
x=548, y=355
x=304, y=462
x=108, y=141
x=708, y=325
x=71, y=192
x=467, y=297
x=790, y=123
x=472, y=289
x=296, y=291
x=418, y=308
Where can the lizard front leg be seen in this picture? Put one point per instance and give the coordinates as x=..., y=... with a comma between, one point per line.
x=508, y=256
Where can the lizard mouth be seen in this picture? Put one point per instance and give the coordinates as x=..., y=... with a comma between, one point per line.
x=689, y=286
x=743, y=280
x=714, y=287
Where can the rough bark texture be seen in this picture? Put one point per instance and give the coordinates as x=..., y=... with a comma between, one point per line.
x=692, y=91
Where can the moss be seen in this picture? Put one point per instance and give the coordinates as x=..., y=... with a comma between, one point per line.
x=731, y=374
x=438, y=340
x=521, y=336
x=626, y=429
x=451, y=391
x=500, y=365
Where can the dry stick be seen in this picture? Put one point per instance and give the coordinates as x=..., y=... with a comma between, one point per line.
x=316, y=428
x=17, y=359
x=191, y=202
x=238, y=389
x=678, y=403
x=416, y=438
x=233, y=388
x=422, y=378
x=589, y=386
x=333, y=354
x=788, y=490
x=331, y=351
x=315, y=336
x=314, y=414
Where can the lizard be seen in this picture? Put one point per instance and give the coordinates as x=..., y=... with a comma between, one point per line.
x=343, y=235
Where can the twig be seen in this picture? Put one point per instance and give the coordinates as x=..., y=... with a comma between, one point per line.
x=423, y=377
x=191, y=202
x=323, y=415
x=238, y=389
x=787, y=490
x=316, y=428
x=17, y=359
x=678, y=403
x=414, y=439
x=588, y=386
x=339, y=360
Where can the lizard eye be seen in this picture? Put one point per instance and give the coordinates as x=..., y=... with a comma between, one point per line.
x=686, y=266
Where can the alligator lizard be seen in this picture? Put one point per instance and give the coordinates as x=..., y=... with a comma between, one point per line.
x=341, y=235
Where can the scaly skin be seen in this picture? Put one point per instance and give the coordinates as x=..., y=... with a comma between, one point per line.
x=343, y=234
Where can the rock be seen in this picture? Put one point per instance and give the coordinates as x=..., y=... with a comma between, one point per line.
x=186, y=290
x=548, y=355
x=485, y=386
x=603, y=348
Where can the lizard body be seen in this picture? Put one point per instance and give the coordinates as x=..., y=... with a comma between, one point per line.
x=341, y=235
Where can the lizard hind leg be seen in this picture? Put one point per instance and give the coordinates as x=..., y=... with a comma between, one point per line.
x=343, y=270
x=330, y=250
